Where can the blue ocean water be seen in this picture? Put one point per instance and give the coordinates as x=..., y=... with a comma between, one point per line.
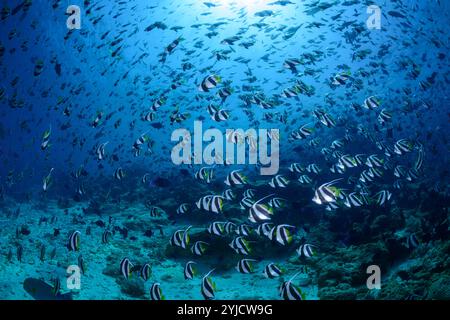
x=354, y=97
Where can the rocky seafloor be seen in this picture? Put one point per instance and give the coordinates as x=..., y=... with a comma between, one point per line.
x=348, y=241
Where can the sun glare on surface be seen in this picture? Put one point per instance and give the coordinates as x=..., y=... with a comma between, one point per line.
x=250, y=5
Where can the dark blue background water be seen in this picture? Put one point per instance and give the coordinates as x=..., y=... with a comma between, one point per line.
x=89, y=73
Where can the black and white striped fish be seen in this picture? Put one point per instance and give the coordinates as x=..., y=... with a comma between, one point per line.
x=354, y=200
x=359, y=158
x=382, y=197
x=208, y=287
x=304, y=179
x=229, y=227
x=327, y=120
x=288, y=291
x=403, y=146
x=347, y=161
x=272, y=271
x=281, y=234
x=302, y=133
x=264, y=229
x=216, y=228
x=235, y=178
x=146, y=272
x=199, y=248
x=158, y=103
x=366, y=176
x=209, y=83
x=260, y=212
x=326, y=193
x=375, y=172
x=100, y=151
x=105, y=236
x=400, y=171
x=246, y=203
x=412, y=242
x=189, y=270
x=224, y=93
x=245, y=266
x=119, y=174
x=180, y=238
x=249, y=193
x=229, y=194
x=331, y=206
x=374, y=161
x=371, y=103
x=126, y=268
x=296, y=167
x=277, y=202
x=240, y=246
x=412, y=174
x=289, y=92
x=221, y=115
x=212, y=109
x=145, y=178
x=156, y=292
x=384, y=116
x=398, y=184
x=212, y=203
x=306, y=250
x=313, y=168
x=279, y=181
x=419, y=161
x=336, y=144
x=183, y=208
x=336, y=168
x=74, y=241
x=243, y=230
x=205, y=174
x=149, y=116
x=337, y=153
